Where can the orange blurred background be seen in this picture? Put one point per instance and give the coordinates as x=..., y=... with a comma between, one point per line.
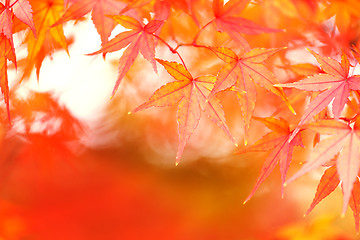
x=77, y=166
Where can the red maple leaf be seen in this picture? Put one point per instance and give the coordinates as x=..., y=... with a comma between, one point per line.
x=139, y=39
x=280, y=148
x=191, y=96
x=336, y=84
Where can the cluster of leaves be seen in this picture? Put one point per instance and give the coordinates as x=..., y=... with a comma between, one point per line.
x=251, y=44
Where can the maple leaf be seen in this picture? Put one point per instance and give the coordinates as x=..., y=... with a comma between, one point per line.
x=280, y=148
x=6, y=53
x=344, y=140
x=99, y=11
x=21, y=9
x=354, y=203
x=328, y=183
x=46, y=13
x=226, y=20
x=335, y=83
x=191, y=96
x=241, y=72
x=139, y=39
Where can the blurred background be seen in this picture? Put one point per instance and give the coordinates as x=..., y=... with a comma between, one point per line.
x=75, y=165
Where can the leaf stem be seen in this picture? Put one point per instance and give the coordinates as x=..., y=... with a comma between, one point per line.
x=173, y=50
x=200, y=31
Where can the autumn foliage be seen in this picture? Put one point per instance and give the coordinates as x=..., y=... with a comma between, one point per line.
x=286, y=68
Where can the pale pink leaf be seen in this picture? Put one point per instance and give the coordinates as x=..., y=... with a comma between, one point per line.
x=317, y=82
x=147, y=49
x=126, y=60
x=348, y=166
x=212, y=107
x=246, y=93
x=226, y=78
x=323, y=152
x=316, y=106
x=22, y=10
x=188, y=117
x=118, y=42
x=278, y=152
x=340, y=99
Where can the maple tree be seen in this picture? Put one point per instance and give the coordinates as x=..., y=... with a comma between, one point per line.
x=290, y=65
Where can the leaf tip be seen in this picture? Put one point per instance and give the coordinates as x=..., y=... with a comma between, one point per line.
x=245, y=142
x=176, y=163
x=236, y=145
x=245, y=201
x=129, y=112
x=342, y=215
x=285, y=184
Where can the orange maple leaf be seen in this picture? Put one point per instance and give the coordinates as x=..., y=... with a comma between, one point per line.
x=191, y=96
x=328, y=183
x=46, y=13
x=354, y=203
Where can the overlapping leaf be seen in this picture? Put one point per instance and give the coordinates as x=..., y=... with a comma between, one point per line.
x=191, y=96
x=99, y=11
x=46, y=13
x=139, y=39
x=354, y=203
x=241, y=72
x=6, y=54
x=328, y=183
x=280, y=148
x=336, y=84
x=19, y=8
x=344, y=140
x=227, y=20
